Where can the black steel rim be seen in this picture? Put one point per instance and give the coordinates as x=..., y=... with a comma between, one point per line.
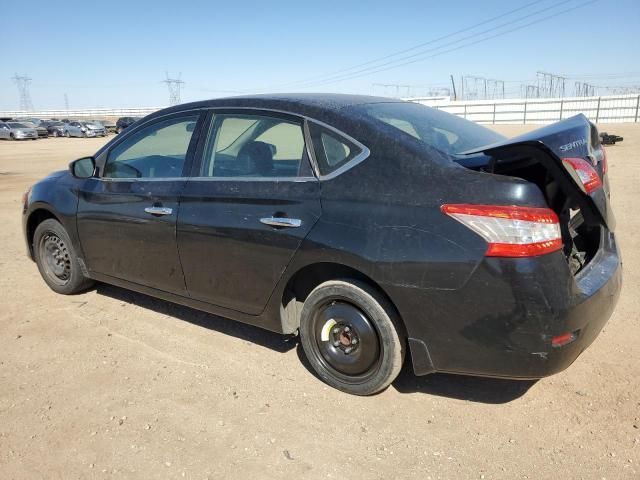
x=345, y=341
x=55, y=258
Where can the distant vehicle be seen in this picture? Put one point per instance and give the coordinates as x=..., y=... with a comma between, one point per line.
x=125, y=122
x=34, y=120
x=84, y=129
x=109, y=125
x=42, y=131
x=17, y=131
x=103, y=124
x=55, y=128
x=371, y=227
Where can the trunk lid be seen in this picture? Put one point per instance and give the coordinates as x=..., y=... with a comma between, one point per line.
x=575, y=137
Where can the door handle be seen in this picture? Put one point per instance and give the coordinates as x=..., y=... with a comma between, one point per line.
x=281, y=222
x=159, y=210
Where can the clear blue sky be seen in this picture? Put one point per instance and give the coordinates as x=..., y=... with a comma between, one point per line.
x=115, y=54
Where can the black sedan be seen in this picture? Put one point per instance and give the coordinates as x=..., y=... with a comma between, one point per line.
x=55, y=128
x=371, y=227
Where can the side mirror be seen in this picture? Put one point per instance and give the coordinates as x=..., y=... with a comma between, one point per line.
x=83, y=167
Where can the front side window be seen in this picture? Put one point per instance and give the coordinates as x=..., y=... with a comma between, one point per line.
x=254, y=146
x=156, y=151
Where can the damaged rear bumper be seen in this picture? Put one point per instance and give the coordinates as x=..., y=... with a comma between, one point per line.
x=502, y=321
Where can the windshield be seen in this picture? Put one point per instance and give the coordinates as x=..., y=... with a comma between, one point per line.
x=440, y=130
x=17, y=125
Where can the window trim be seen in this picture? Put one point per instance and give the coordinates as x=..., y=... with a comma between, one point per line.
x=206, y=117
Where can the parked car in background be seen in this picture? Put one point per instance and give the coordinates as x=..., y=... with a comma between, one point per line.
x=84, y=129
x=17, y=131
x=125, y=122
x=371, y=227
x=55, y=128
x=42, y=131
x=102, y=123
x=35, y=121
x=109, y=125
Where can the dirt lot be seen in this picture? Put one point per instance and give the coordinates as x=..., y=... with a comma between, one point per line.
x=116, y=384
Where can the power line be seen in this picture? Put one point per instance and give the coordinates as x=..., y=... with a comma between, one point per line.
x=23, y=81
x=381, y=68
x=415, y=47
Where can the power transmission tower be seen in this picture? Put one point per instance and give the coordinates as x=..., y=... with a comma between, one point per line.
x=481, y=88
x=66, y=102
x=584, y=90
x=550, y=85
x=174, y=85
x=23, y=82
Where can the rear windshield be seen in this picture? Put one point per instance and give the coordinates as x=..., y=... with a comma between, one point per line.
x=440, y=130
x=17, y=125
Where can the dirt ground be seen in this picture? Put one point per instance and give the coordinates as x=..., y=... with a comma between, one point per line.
x=116, y=384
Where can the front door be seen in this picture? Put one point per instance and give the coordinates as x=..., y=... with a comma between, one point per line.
x=243, y=215
x=127, y=216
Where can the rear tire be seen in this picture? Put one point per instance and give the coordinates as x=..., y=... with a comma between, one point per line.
x=66, y=134
x=57, y=260
x=12, y=136
x=352, y=337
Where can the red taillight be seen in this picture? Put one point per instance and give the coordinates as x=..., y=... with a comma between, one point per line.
x=510, y=231
x=585, y=171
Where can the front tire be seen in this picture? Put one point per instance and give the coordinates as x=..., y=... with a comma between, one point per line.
x=57, y=260
x=352, y=337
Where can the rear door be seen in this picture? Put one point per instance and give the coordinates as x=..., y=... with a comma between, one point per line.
x=247, y=208
x=127, y=217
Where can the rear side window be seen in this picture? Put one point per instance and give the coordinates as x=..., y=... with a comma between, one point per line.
x=254, y=146
x=332, y=149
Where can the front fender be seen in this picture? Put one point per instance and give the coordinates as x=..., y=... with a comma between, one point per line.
x=54, y=197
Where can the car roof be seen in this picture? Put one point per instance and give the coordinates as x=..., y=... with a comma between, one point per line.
x=299, y=103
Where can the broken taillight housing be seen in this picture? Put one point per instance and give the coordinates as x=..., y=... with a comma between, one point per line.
x=510, y=231
x=585, y=171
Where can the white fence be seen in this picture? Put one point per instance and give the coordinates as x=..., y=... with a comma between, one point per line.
x=89, y=113
x=604, y=109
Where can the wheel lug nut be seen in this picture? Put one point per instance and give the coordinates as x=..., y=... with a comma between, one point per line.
x=347, y=329
x=336, y=343
x=335, y=330
x=354, y=341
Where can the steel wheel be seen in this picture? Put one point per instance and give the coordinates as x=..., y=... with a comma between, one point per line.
x=351, y=336
x=55, y=258
x=345, y=340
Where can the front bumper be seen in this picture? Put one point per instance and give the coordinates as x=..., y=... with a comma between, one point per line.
x=501, y=322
